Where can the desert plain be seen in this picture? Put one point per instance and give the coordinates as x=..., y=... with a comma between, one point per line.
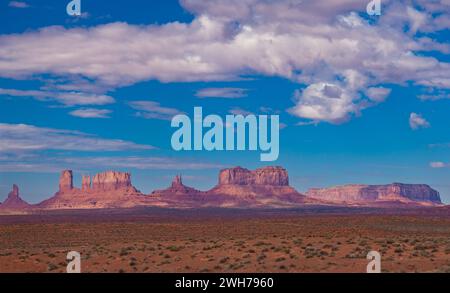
x=227, y=240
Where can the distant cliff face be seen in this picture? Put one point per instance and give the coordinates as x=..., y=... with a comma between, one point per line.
x=419, y=193
x=415, y=192
x=274, y=176
x=346, y=193
x=237, y=187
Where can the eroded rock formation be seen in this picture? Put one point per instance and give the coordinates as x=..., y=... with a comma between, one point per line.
x=264, y=186
x=86, y=183
x=109, y=189
x=66, y=181
x=237, y=187
x=274, y=176
x=13, y=201
x=178, y=189
x=419, y=193
x=111, y=180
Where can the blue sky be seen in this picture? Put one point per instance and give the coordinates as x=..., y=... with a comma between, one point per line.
x=362, y=99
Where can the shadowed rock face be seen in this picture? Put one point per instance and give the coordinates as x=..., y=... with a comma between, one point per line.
x=14, y=192
x=419, y=193
x=414, y=192
x=274, y=176
x=13, y=201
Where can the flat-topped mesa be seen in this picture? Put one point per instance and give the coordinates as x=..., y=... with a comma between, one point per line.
x=415, y=192
x=272, y=176
x=13, y=201
x=66, y=181
x=346, y=193
x=111, y=180
x=420, y=193
x=268, y=186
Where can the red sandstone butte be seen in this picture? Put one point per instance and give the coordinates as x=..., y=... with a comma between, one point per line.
x=237, y=187
x=268, y=186
x=66, y=181
x=178, y=189
x=179, y=195
x=110, y=189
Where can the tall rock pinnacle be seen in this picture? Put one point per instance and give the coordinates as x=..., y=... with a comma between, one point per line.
x=66, y=181
x=13, y=201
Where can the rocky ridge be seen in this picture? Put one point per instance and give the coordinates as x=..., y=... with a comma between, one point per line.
x=238, y=187
x=395, y=192
x=109, y=189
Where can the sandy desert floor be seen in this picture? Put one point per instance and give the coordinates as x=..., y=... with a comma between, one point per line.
x=276, y=243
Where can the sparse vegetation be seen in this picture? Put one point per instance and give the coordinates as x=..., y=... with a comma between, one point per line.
x=338, y=243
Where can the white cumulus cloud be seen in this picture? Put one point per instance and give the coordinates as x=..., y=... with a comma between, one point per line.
x=416, y=121
x=312, y=43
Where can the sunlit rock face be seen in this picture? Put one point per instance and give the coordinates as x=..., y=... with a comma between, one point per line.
x=419, y=193
x=66, y=181
x=274, y=176
x=111, y=180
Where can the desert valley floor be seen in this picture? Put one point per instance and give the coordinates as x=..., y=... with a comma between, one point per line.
x=227, y=240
